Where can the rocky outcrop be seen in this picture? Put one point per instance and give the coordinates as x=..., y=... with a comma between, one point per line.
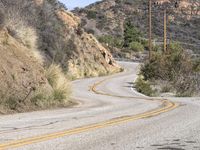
x=68, y=18
x=84, y=65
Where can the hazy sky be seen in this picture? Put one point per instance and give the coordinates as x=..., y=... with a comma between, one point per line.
x=77, y=3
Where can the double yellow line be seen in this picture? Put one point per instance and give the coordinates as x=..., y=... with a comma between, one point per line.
x=166, y=106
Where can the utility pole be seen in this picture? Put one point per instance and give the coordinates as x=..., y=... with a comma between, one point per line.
x=176, y=5
x=150, y=31
x=165, y=31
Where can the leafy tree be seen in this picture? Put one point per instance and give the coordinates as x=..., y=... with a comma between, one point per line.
x=131, y=34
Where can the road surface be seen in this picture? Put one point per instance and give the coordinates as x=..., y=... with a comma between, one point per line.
x=110, y=116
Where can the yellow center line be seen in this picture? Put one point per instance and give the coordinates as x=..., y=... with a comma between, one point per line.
x=167, y=106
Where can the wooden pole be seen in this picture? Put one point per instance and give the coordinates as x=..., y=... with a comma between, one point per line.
x=150, y=30
x=165, y=31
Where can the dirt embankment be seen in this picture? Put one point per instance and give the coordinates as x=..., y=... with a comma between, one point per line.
x=42, y=47
x=21, y=76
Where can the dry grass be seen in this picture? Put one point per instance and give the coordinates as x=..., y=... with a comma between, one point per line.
x=29, y=38
x=59, y=83
x=21, y=30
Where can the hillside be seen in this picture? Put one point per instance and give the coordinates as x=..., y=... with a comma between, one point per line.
x=109, y=17
x=41, y=45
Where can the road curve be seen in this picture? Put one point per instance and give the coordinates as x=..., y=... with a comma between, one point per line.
x=110, y=115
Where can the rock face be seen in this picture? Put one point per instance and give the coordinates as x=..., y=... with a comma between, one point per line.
x=188, y=7
x=39, y=2
x=89, y=57
x=85, y=66
x=109, y=16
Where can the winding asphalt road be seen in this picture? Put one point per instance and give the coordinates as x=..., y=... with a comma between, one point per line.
x=110, y=116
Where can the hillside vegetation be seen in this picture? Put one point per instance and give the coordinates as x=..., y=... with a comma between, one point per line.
x=122, y=25
x=109, y=18
x=42, y=47
x=172, y=72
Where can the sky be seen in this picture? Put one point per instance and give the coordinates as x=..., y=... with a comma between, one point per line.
x=70, y=4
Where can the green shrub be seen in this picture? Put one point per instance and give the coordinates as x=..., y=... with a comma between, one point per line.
x=196, y=65
x=106, y=39
x=157, y=48
x=144, y=87
x=145, y=43
x=175, y=47
x=150, y=69
x=136, y=46
x=176, y=67
x=111, y=41
x=165, y=66
x=91, y=14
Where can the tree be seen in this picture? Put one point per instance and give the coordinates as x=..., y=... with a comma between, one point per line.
x=131, y=34
x=2, y=19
